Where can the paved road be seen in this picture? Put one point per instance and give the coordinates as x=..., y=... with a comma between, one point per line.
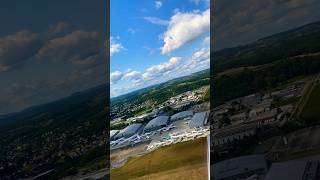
x=305, y=96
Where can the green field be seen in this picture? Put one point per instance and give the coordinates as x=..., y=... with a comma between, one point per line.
x=187, y=159
x=292, y=100
x=311, y=114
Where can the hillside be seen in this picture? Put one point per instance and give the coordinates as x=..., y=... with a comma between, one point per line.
x=268, y=62
x=301, y=40
x=159, y=93
x=63, y=135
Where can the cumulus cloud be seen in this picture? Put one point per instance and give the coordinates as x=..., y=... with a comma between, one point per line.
x=184, y=28
x=59, y=27
x=132, y=75
x=80, y=54
x=115, y=76
x=15, y=49
x=158, y=4
x=74, y=47
x=174, y=67
x=158, y=70
x=199, y=60
x=156, y=21
x=115, y=47
x=206, y=40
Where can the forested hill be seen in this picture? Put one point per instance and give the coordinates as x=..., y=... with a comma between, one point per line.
x=302, y=40
x=266, y=63
x=163, y=91
x=91, y=101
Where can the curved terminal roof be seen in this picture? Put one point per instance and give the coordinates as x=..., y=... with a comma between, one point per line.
x=129, y=130
x=240, y=165
x=157, y=122
x=198, y=120
x=181, y=115
x=113, y=133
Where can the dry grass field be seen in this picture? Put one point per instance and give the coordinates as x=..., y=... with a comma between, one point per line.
x=187, y=160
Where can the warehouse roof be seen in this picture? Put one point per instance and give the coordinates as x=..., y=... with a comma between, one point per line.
x=129, y=130
x=157, y=122
x=182, y=114
x=113, y=133
x=198, y=119
x=237, y=166
x=279, y=171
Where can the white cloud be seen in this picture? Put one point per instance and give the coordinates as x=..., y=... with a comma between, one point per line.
x=115, y=47
x=199, y=60
x=174, y=67
x=158, y=4
x=184, y=28
x=132, y=75
x=157, y=70
x=132, y=31
x=156, y=21
x=59, y=27
x=115, y=76
x=206, y=40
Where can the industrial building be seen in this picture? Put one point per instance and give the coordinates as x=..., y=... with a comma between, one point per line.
x=113, y=133
x=181, y=115
x=157, y=123
x=294, y=170
x=232, y=133
x=129, y=131
x=199, y=120
x=240, y=167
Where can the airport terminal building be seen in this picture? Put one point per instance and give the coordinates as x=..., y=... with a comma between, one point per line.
x=199, y=120
x=240, y=167
x=129, y=131
x=181, y=115
x=113, y=133
x=156, y=123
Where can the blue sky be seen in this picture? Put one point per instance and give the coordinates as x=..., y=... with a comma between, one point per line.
x=154, y=41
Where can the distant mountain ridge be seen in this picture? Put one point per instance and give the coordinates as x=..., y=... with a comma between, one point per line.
x=139, y=91
x=297, y=41
x=55, y=106
x=265, y=63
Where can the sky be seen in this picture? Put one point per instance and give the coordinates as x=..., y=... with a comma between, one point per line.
x=244, y=21
x=52, y=48
x=157, y=40
x=49, y=50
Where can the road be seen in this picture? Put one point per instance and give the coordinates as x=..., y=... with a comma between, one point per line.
x=305, y=96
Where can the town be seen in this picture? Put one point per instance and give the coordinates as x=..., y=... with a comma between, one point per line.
x=181, y=118
x=253, y=137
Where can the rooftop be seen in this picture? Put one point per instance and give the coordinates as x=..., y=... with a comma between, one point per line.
x=113, y=133
x=240, y=165
x=129, y=130
x=279, y=171
x=157, y=122
x=198, y=119
x=182, y=114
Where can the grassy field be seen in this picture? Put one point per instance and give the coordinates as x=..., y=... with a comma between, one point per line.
x=187, y=160
x=311, y=114
x=292, y=100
